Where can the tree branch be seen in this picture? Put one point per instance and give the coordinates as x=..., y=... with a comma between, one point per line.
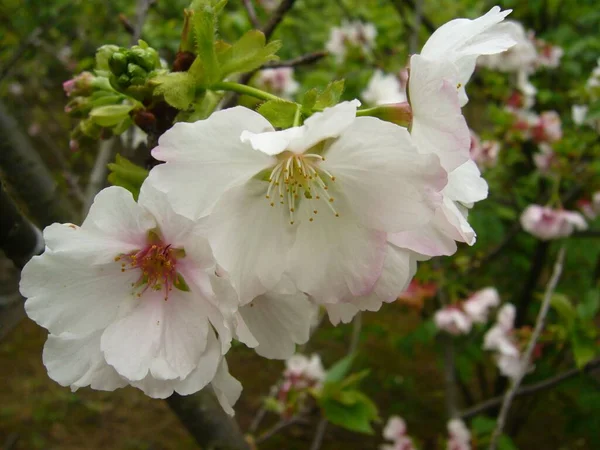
x=141, y=12
x=29, y=178
x=277, y=17
x=251, y=13
x=539, y=326
x=532, y=388
x=98, y=175
x=397, y=4
x=319, y=434
x=280, y=426
x=298, y=61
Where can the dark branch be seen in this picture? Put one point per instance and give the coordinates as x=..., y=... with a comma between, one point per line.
x=277, y=17
x=299, y=61
x=398, y=5
x=280, y=426
x=532, y=388
x=251, y=13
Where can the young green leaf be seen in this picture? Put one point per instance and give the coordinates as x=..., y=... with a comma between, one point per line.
x=339, y=370
x=330, y=96
x=178, y=89
x=110, y=115
x=250, y=52
x=356, y=413
x=206, y=66
x=280, y=113
x=126, y=174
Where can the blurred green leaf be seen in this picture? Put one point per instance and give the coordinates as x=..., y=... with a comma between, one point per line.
x=110, y=115
x=126, y=174
x=355, y=412
x=280, y=113
x=339, y=370
x=250, y=52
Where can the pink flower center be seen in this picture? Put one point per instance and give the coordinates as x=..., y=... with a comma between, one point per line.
x=157, y=263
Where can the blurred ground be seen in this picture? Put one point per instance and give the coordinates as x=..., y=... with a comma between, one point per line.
x=36, y=413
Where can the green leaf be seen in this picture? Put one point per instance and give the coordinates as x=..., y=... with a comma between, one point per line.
x=590, y=305
x=354, y=379
x=330, y=96
x=126, y=174
x=206, y=66
x=481, y=425
x=178, y=89
x=280, y=113
x=309, y=100
x=506, y=443
x=110, y=115
x=339, y=370
x=584, y=343
x=250, y=52
x=356, y=414
x=563, y=306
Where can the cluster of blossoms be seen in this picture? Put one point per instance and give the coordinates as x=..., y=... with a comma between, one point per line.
x=546, y=223
x=395, y=431
x=385, y=88
x=349, y=36
x=301, y=375
x=459, y=436
x=280, y=81
x=244, y=230
x=501, y=340
x=484, y=153
x=459, y=319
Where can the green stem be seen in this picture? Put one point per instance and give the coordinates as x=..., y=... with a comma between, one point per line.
x=244, y=90
x=367, y=111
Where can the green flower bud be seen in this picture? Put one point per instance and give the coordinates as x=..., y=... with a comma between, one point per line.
x=135, y=71
x=118, y=63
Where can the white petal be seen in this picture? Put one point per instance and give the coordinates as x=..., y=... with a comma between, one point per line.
x=341, y=312
x=438, y=125
x=383, y=178
x=67, y=295
x=272, y=142
x=163, y=337
x=465, y=184
x=333, y=257
x=278, y=322
x=250, y=239
x=78, y=362
x=427, y=240
x=227, y=388
x=205, y=158
x=332, y=122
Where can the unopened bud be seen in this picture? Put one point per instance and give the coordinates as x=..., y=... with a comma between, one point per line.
x=118, y=63
x=398, y=113
x=79, y=85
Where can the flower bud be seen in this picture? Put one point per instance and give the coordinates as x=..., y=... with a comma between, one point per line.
x=79, y=85
x=398, y=113
x=118, y=63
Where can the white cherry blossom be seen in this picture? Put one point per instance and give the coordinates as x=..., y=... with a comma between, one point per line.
x=452, y=320
x=478, y=305
x=130, y=297
x=384, y=89
x=459, y=436
x=312, y=203
x=547, y=223
x=279, y=81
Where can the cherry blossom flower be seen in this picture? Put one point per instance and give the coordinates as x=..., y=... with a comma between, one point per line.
x=548, y=128
x=500, y=339
x=279, y=81
x=484, y=153
x=545, y=158
x=277, y=198
x=304, y=372
x=478, y=305
x=547, y=223
x=453, y=320
x=131, y=297
x=521, y=57
x=578, y=113
x=459, y=436
x=384, y=89
x=548, y=55
x=461, y=41
x=395, y=431
x=351, y=34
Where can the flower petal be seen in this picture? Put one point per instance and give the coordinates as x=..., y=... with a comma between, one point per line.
x=163, y=337
x=65, y=295
x=207, y=157
x=227, y=388
x=78, y=362
x=438, y=125
x=250, y=239
x=278, y=322
x=351, y=264
x=466, y=185
x=383, y=178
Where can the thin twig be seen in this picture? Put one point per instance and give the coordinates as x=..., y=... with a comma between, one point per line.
x=98, y=175
x=397, y=4
x=319, y=434
x=309, y=58
x=141, y=12
x=257, y=420
x=356, y=329
x=531, y=388
x=539, y=326
x=280, y=426
x=277, y=17
x=251, y=13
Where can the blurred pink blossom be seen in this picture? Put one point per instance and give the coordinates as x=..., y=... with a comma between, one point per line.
x=453, y=320
x=484, y=153
x=478, y=305
x=547, y=223
x=459, y=435
x=280, y=81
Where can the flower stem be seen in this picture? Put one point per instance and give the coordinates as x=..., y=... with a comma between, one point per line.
x=244, y=90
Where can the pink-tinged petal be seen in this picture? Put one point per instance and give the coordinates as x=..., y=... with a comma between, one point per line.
x=351, y=264
x=278, y=322
x=341, y=312
x=78, y=362
x=250, y=239
x=64, y=295
x=383, y=179
x=456, y=225
x=115, y=214
x=427, y=240
x=227, y=388
x=466, y=185
x=207, y=157
x=162, y=338
x=438, y=125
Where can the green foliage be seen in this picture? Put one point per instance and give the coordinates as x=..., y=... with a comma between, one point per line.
x=177, y=88
x=127, y=175
x=281, y=114
x=250, y=52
